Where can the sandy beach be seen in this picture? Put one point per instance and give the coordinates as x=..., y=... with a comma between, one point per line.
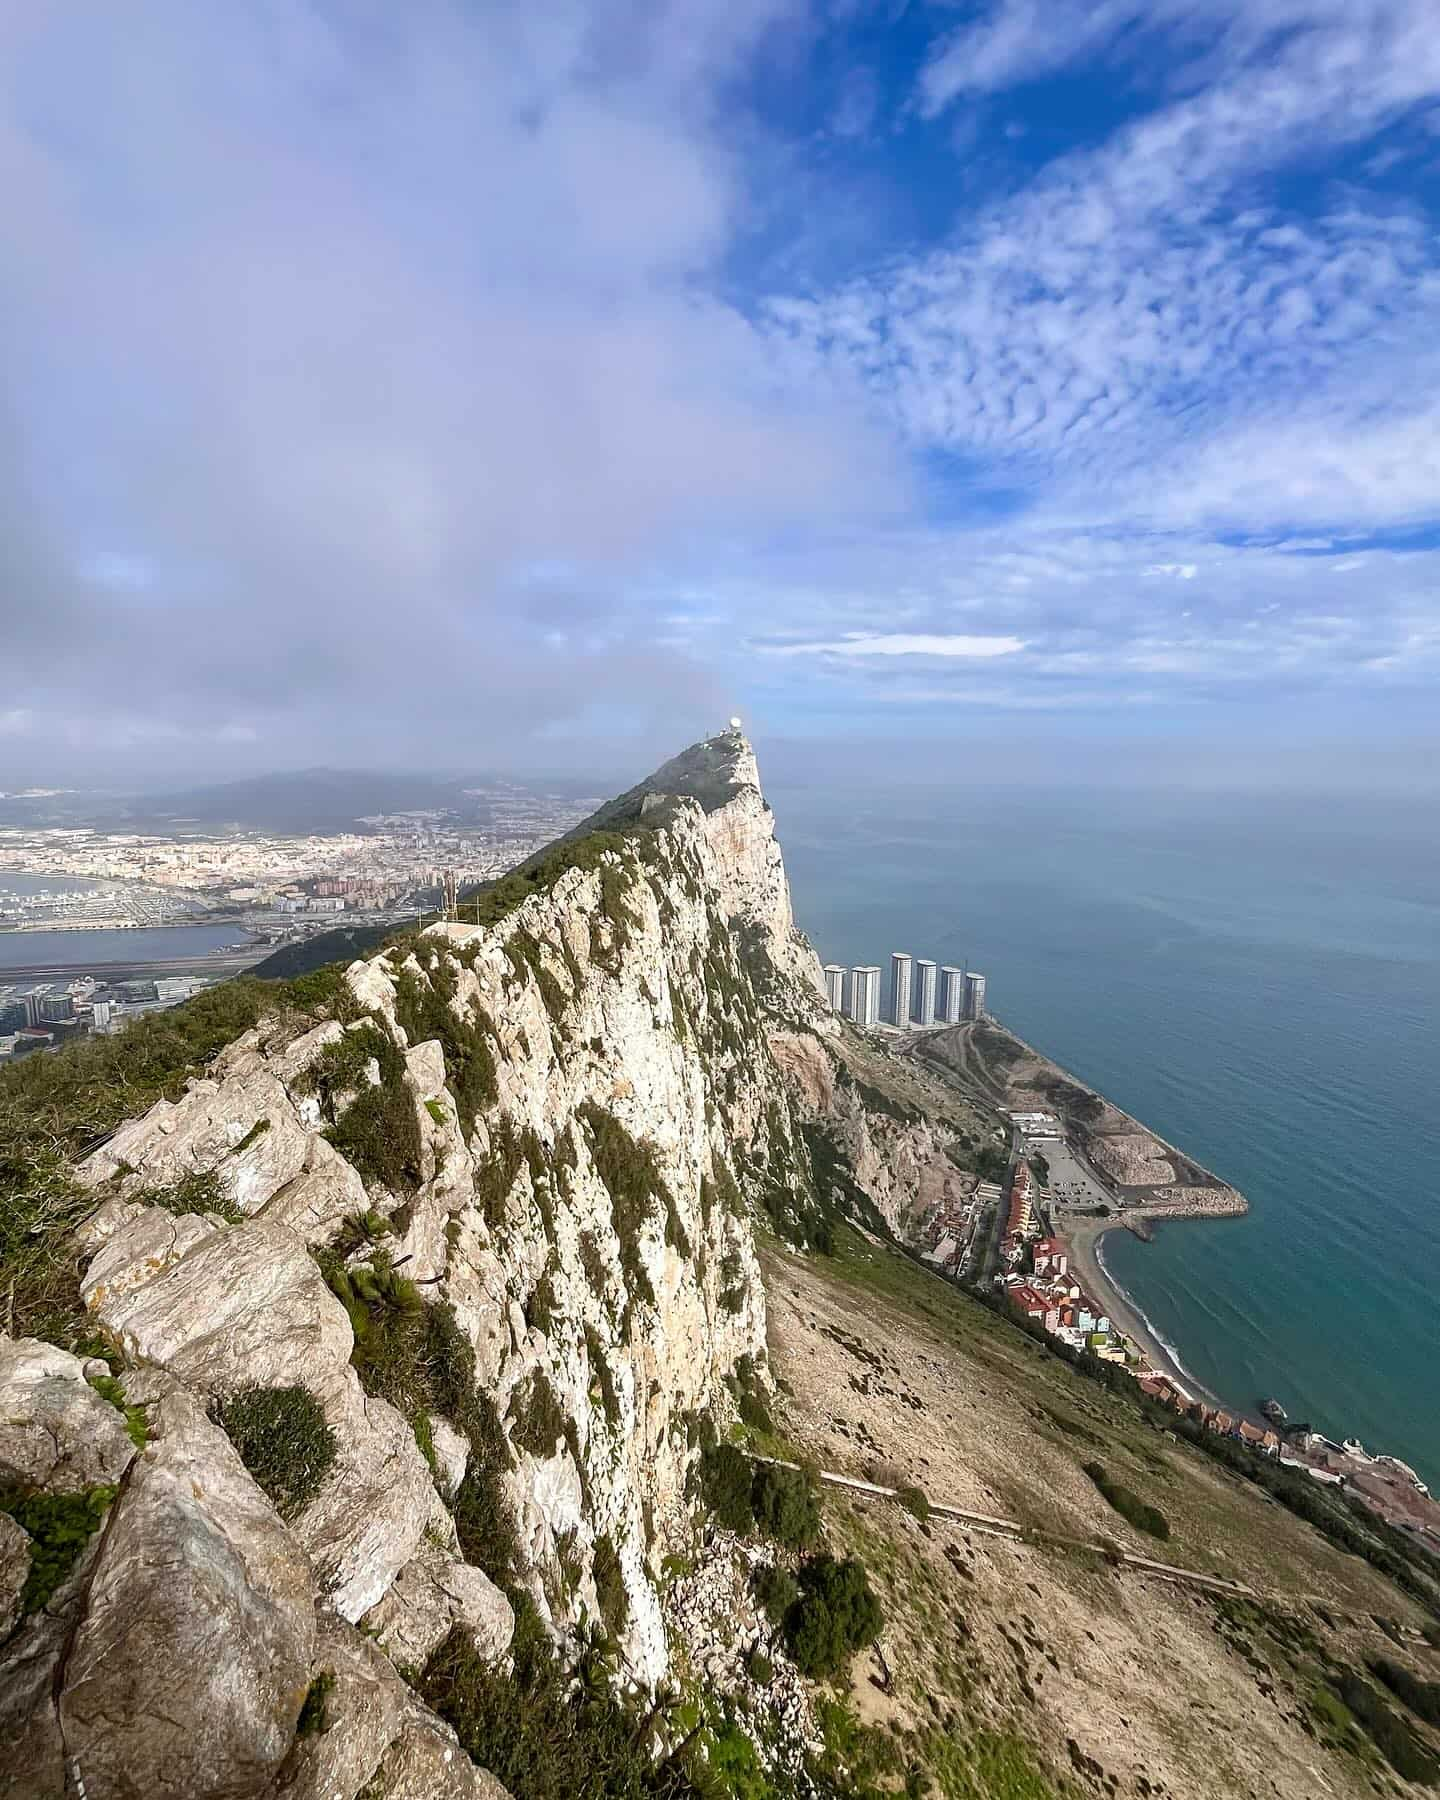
x=1083, y=1236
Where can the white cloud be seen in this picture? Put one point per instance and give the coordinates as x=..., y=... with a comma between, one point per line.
x=900, y=643
x=1126, y=336
x=360, y=327
x=1180, y=571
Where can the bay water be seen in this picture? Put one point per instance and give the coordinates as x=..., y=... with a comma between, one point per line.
x=1258, y=980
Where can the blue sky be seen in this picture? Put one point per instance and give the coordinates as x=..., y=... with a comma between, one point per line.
x=454, y=382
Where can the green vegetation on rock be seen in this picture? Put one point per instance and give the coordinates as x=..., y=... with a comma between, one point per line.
x=376, y=1128
x=136, y=1424
x=746, y=1495
x=636, y=1187
x=314, y=1710
x=59, y=1527
x=281, y=1436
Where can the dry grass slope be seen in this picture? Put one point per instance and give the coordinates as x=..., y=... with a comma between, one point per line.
x=1095, y=1680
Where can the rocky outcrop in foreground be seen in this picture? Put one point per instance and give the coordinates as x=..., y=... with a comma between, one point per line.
x=407, y=1316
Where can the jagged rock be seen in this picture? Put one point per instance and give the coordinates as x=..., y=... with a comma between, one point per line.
x=432, y=1593
x=363, y=1713
x=190, y=1666
x=32, y=1766
x=146, y=1243
x=325, y=1192
x=246, y=1306
x=452, y=1454
x=364, y=1524
x=56, y=1432
x=250, y=1308
x=295, y=1057
x=14, y=1569
x=426, y=1066
x=245, y=1129
x=425, y=1762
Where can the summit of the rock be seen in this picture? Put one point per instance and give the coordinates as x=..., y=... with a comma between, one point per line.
x=713, y=772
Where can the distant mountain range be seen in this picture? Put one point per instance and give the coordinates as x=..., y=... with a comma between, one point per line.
x=288, y=803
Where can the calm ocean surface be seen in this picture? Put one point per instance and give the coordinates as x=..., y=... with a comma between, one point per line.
x=1259, y=982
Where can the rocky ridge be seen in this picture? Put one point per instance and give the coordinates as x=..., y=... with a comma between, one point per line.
x=529, y=1140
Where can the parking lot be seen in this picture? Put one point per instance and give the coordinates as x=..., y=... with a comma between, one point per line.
x=1071, y=1184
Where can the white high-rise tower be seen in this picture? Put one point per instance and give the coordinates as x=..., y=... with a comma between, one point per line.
x=865, y=994
x=924, y=992
x=900, y=989
x=952, y=993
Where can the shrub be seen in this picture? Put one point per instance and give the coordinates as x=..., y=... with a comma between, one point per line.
x=543, y=1728
x=426, y=1007
x=760, y=1668
x=785, y=1505
x=592, y=1261
x=1422, y=1697
x=542, y=1420
x=136, y=1423
x=637, y=1190
x=777, y=1590
x=726, y=1482
x=836, y=1615
x=378, y=1132
x=495, y=1177
x=1140, y=1513
x=59, y=1527
x=281, y=1436
x=197, y=1193
x=601, y=1373
x=745, y=1496
x=484, y=1522
x=391, y=1324
x=676, y=1236
x=754, y=1412
x=915, y=1502
x=1397, y=1743
x=543, y=1305
x=610, y=1586
x=524, y=954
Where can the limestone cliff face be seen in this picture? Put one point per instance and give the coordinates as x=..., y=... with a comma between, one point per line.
x=887, y=1162
x=531, y=1140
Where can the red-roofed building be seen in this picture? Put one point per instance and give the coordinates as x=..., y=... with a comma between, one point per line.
x=1035, y=1306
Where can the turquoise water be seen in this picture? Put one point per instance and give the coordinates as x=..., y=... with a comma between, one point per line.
x=1261, y=984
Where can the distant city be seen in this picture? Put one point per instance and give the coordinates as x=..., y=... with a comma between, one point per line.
x=922, y=993
x=95, y=882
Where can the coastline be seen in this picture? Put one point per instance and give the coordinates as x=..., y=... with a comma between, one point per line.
x=1083, y=1236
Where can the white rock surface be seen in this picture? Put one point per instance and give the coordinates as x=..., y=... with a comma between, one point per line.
x=14, y=1570
x=249, y=1308
x=191, y=1663
x=147, y=1243
x=325, y=1192
x=56, y=1432
x=432, y=1593
x=364, y=1712
x=244, y=1129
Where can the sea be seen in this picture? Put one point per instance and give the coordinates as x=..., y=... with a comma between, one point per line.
x=1255, y=978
